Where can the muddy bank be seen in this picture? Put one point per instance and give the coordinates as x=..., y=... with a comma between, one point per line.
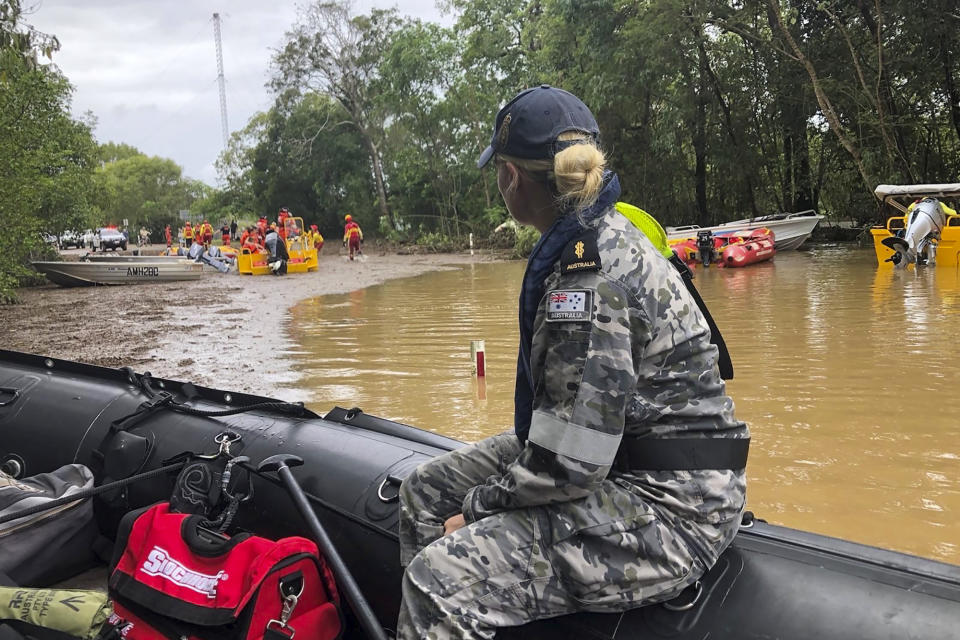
x=227, y=331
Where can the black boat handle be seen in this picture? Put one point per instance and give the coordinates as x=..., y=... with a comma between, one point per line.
x=14, y=392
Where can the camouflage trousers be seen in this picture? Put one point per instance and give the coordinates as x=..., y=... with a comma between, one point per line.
x=609, y=551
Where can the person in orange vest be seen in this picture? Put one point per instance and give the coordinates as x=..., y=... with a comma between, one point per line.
x=225, y=235
x=352, y=236
x=262, y=227
x=187, y=234
x=251, y=240
x=207, y=233
x=316, y=238
x=168, y=234
x=281, y=222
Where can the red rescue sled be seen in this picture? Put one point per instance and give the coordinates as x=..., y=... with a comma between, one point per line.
x=743, y=250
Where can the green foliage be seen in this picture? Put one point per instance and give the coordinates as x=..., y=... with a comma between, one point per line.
x=435, y=242
x=709, y=111
x=338, y=55
x=303, y=156
x=526, y=238
x=149, y=192
x=46, y=157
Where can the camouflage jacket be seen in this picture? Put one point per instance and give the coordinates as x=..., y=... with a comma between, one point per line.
x=619, y=347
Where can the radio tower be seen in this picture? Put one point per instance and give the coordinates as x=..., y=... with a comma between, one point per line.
x=221, y=81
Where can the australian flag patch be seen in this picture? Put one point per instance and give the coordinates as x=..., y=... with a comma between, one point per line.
x=569, y=305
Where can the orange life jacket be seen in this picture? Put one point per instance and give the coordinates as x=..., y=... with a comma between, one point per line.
x=350, y=230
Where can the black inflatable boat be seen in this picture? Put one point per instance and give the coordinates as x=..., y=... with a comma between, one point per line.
x=773, y=582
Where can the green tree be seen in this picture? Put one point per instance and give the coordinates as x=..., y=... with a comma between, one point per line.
x=46, y=157
x=304, y=155
x=333, y=53
x=147, y=191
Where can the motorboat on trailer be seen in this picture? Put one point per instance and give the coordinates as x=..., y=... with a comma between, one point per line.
x=789, y=229
x=924, y=232
x=114, y=272
x=773, y=582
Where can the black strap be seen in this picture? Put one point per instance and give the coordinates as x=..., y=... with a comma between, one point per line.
x=724, y=363
x=681, y=454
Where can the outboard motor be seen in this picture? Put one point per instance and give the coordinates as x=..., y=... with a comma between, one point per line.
x=705, y=246
x=919, y=242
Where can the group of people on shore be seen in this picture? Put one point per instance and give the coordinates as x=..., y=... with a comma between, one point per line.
x=257, y=238
x=253, y=238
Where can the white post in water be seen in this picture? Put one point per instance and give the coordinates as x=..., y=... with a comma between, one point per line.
x=471, y=243
x=477, y=356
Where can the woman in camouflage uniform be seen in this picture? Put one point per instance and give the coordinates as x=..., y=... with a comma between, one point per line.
x=595, y=502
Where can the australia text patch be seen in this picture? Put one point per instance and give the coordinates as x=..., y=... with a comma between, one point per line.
x=581, y=254
x=570, y=306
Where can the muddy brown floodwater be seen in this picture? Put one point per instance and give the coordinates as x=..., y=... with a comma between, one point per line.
x=225, y=331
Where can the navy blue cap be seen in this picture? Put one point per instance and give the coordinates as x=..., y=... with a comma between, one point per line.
x=528, y=126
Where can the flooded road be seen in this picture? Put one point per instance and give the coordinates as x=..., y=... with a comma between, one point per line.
x=845, y=373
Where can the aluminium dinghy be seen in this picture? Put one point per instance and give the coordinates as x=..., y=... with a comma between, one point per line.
x=111, y=272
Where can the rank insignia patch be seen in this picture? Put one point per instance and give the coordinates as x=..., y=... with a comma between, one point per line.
x=569, y=306
x=581, y=254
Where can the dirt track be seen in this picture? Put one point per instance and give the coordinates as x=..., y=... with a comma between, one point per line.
x=224, y=331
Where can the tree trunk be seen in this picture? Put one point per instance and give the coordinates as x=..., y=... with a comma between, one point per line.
x=486, y=189
x=700, y=150
x=796, y=183
x=884, y=97
x=378, y=176
x=952, y=94
x=746, y=181
x=826, y=107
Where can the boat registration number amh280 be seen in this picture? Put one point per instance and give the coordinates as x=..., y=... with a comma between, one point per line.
x=148, y=272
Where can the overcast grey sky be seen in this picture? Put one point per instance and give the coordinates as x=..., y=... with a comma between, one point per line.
x=147, y=69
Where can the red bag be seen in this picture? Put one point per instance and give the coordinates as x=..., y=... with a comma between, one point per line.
x=173, y=580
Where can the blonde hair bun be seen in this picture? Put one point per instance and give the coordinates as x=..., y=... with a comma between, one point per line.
x=578, y=171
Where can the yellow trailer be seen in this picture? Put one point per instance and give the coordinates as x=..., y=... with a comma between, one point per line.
x=303, y=257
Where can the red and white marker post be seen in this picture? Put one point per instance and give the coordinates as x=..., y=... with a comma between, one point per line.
x=477, y=356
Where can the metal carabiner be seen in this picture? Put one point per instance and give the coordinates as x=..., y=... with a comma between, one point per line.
x=225, y=439
x=289, y=604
